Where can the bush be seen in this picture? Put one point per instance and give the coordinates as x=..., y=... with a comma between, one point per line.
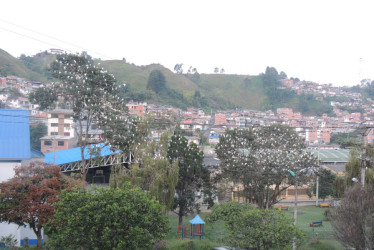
x=106, y=218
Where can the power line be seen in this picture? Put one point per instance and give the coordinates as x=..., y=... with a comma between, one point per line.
x=48, y=36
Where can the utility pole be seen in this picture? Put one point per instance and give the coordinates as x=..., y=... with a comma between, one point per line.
x=364, y=157
x=317, y=180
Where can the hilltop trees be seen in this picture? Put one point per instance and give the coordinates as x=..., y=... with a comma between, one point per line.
x=260, y=160
x=28, y=198
x=156, y=81
x=95, y=98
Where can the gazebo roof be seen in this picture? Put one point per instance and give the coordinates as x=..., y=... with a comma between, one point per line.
x=197, y=220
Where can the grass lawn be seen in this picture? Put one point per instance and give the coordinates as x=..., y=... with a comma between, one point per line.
x=215, y=232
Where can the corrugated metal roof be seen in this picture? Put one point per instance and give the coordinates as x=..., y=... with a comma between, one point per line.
x=331, y=155
x=14, y=134
x=74, y=154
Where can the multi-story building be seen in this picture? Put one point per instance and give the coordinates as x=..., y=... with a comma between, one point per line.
x=61, y=131
x=61, y=122
x=137, y=108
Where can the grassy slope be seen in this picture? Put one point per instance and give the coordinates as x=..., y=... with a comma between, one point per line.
x=306, y=214
x=231, y=88
x=13, y=66
x=221, y=90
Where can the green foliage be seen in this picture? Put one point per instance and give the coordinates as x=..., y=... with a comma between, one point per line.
x=347, y=140
x=37, y=132
x=156, y=81
x=194, y=178
x=338, y=187
x=153, y=172
x=8, y=242
x=29, y=197
x=229, y=212
x=326, y=183
x=260, y=160
x=93, y=95
x=120, y=218
x=353, y=167
x=44, y=97
x=264, y=229
x=189, y=244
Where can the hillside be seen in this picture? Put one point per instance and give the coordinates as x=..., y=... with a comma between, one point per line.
x=207, y=91
x=10, y=65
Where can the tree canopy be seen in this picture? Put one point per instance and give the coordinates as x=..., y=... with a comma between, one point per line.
x=29, y=197
x=252, y=228
x=106, y=218
x=156, y=81
x=95, y=98
x=260, y=160
x=193, y=180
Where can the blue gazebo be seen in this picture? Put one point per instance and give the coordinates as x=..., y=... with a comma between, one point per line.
x=196, y=229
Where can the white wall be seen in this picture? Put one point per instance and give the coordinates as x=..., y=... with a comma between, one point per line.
x=6, y=170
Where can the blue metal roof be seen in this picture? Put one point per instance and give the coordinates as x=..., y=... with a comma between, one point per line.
x=14, y=134
x=197, y=220
x=74, y=154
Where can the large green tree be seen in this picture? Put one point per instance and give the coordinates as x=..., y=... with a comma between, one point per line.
x=252, y=228
x=95, y=98
x=106, y=218
x=194, y=184
x=37, y=132
x=326, y=183
x=152, y=171
x=260, y=160
x=156, y=81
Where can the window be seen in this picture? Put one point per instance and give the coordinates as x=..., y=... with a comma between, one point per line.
x=54, y=115
x=67, y=116
x=54, y=124
x=47, y=143
x=54, y=133
x=60, y=143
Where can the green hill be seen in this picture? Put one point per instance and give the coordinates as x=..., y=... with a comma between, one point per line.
x=10, y=65
x=207, y=91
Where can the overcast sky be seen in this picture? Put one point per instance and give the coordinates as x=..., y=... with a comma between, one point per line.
x=321, y=41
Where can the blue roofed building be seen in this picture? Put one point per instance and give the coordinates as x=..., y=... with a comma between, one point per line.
x=99, y=159
x=15, y=151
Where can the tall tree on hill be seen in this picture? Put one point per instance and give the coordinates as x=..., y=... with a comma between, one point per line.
x=194, y=179
x=156, y=81
x=178, y=68
x=94, y=97
x=260, y=160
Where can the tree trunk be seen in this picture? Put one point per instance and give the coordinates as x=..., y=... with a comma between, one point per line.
x=38, y=233
x=180, y=215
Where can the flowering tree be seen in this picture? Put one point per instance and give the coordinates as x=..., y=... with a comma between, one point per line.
x=95, y=98
x=260, y=160
x=29, y=197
